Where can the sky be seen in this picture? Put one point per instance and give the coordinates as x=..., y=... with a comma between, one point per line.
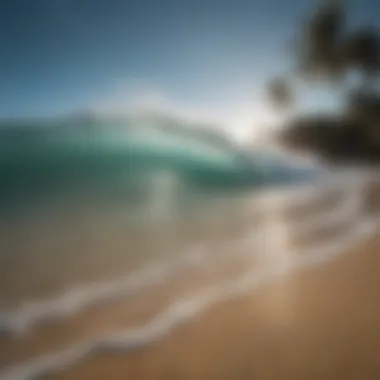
x=207, y=57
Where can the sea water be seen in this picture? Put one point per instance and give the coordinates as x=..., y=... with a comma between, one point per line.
x=83, y=204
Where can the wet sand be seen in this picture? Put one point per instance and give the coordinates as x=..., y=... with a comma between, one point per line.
x=129, y=311
x=42, y=256
x=321, y=323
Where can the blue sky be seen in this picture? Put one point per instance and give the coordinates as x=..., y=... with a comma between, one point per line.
x=58, y=56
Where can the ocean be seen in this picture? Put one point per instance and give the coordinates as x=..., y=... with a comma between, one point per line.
x=94, y=214
x=86, y=203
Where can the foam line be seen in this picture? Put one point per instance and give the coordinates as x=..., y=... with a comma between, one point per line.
x=184, y=310
x=75, y=300
x=71, y=302
x=308, y=194
x=349, y=208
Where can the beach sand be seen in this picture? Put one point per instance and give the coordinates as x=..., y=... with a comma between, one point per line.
x=321, y=323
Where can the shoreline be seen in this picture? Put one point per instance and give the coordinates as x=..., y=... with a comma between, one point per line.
x=287, y=249
x=179, y=311
x=322, y=322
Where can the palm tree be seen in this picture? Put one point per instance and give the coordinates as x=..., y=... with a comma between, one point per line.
x=327, y=51
x=362, y=51
x=319, y=52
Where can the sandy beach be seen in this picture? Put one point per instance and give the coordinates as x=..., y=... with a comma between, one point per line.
x=322, y=323
x=251, y=319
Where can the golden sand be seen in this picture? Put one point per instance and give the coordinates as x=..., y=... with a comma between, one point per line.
x=323, y=323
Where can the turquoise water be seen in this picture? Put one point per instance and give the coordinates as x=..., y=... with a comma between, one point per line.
x=36, y=162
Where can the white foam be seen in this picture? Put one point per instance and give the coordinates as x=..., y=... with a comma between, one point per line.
x=32, y=313
x=348, y=208
x=184, y=310
x=75, y=300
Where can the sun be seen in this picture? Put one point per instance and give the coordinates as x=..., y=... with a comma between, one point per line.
x=249, y=122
